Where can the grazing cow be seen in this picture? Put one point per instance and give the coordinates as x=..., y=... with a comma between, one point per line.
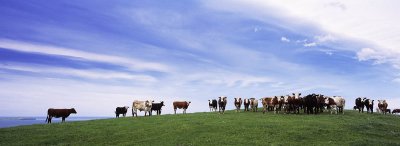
x=222, y=100
x=157, y=107
x=359, y=105
x=254, y=104
x=57, y=113
x=238, y=104
x=388, y=111
x=382, y=105
x=121, y=110
x=141, y=106
x=395, y=111
x=181, y=105
x=369, y=104
x=213, y=105
x=340, y=103
x=266, y=102
x=246, y=104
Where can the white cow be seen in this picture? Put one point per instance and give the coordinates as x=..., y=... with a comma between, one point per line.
x=254, y=104
x=340, y=103
x=141, y=106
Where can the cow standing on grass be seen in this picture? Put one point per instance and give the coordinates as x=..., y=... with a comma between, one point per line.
x=121, y=110
x=254, y=104
x=395, y=111
x=156, y=107
x=222, y=100
x=57, y=113
x=266, y=102
x=238, y=104
x=369, y=104
x=359, y=104
x=212, y=104
x=181, y=105
x=141, y=106
x=340, y=103
x=382, y=105
x=246, y=104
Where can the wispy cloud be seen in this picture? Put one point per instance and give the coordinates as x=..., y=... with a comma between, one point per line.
x=284, y=39
x=131, y=63
x=80, y=73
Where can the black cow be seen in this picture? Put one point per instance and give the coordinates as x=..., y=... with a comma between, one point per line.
x=213, y=105
x=222, y=104
x=57, y=113
x=369, y=104
x=246, y=104
x=310, y=103
x=121, y=110
x=360, y=104
x=156, y=107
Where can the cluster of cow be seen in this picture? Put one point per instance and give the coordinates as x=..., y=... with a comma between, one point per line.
x=369, y=105
x=149, y=106
x=311, y=104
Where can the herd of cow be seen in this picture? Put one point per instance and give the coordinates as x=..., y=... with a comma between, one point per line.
x=310, y=104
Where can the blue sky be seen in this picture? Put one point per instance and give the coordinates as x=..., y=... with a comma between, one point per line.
x=96, y=55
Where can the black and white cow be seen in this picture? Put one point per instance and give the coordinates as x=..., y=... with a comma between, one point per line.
x=222, y=100
x=213, y=104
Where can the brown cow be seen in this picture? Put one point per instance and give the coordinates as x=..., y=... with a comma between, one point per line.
x=382, y=105
x=57, y=113
x=254, y=104
x=181, y=105
x=266, y=102
x=238, y=104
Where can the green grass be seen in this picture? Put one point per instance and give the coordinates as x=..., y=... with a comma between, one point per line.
x=215, y=129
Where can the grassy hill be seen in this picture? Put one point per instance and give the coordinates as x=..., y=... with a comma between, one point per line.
x=215, y=129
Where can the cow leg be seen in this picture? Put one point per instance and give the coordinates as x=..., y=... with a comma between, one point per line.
x=175, y=111
x=63, y=119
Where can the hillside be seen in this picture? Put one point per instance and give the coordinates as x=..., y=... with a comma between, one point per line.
x=212, y=128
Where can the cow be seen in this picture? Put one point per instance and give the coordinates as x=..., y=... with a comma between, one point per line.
x=181, y=105
x=156, y=107
x=254, y=104
x=238, y=104
x=395, y=111
x=266, y=102
x=388, y=111
x=359, y=104
x=286, y=103
x=246, y=104
x=213, y=105
x=331, y=104
x=340, y=103
x=382, y=105
x=57, y=113
x=277, y=103
x=310, y=103
x=355, y=108
x=141, y=106
x=222, y=100
x=320, y=103
x=369, y=104
x=121, y=110
x=296, y=102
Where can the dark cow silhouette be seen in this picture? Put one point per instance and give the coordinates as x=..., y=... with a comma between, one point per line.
x=121, y=110
x=157, y=107
x=395, y=111
x=57, y=113
x=310, y=103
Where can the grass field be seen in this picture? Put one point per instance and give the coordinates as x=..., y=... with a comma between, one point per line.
x=215, y=129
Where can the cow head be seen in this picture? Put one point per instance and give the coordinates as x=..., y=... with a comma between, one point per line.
x=188, y=103
x=162, y=103
x=73, y=110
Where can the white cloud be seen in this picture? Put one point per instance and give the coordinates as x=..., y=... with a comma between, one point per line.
x=284, y=39
x=131, y=63
x=325, y=38
x=310, y=44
